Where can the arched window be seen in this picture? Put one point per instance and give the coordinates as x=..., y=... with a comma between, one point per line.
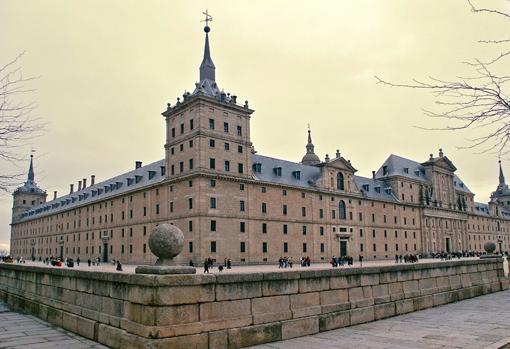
x=341, y=210
x=340, y=181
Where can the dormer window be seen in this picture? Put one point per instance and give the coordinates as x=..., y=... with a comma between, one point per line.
x=106, y=188
x=138, y=178
x=388, y=190
x=296, y=174
x=377, y=188
x=417, y=173
x=277, y=171
x=152, y=174
x=130, y=181
x=406, y=170
x=257, y=167
x=163, y=168
x=119, y=184
x=366, y=187
x=384, y=170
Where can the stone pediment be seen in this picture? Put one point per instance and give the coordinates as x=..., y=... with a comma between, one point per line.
x=340, y=164
x=441, y=162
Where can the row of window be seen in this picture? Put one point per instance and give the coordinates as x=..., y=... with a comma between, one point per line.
x=212, y=126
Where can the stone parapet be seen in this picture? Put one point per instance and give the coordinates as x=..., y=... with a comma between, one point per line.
x=236, y=310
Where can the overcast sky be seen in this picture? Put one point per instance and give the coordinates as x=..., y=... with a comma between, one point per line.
x=108, y=68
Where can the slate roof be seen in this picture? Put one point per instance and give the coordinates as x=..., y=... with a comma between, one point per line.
x=400, y=166
x=135, y=179
x=308, y=176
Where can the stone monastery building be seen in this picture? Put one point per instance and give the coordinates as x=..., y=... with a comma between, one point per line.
x=231, y=202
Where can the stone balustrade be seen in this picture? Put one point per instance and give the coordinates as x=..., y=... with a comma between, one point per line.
x=236, y=310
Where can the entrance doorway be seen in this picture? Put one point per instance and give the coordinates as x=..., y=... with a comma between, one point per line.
x=448, y=245
x=105, y=253
x=343, y=248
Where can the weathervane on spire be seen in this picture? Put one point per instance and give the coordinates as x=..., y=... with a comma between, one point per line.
x=208, y=18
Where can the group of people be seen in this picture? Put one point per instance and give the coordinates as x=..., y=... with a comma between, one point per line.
x=305, y=261
x=340, y=261
x=408, y=258
x=285, y=262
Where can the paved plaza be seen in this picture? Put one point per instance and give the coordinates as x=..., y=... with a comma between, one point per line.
x=476, y=323
x=130, y=269
x=28, y=332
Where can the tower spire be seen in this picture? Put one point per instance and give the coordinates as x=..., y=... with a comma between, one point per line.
x=310, y=158
x=30, y=177
x=501, y=176
x=207, y=68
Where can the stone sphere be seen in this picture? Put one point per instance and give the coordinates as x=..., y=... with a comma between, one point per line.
x=166, y=241
x=207, y=29
x=489, y=247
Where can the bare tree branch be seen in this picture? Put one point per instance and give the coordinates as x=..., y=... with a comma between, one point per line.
x=17, y=123
x=480, y=101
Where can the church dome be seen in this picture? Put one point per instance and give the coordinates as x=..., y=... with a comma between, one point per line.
x=310, y=159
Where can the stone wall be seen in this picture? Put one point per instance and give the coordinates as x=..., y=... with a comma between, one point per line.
x=236, y=310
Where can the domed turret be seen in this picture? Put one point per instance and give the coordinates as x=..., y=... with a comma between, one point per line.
x=28, y=195
x=310, y=158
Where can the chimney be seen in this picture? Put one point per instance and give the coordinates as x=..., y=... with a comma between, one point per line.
x=71, y=188
x=55, y=195
x=234, y=99
x=373, y=174
x=84, y=181
x=337, y=153
x=92, y=180
x=138, y=164
x=79, y=185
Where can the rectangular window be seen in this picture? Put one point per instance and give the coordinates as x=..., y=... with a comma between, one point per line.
x=225, y=127
x=157, y=208
x=213, y=183
x=173, y=132
x=375, y=248
x=242, y=227
x=304, y=247
x=227, y=165
x=190, y=247
x=240, y=168
x=171, y=206
x=212, y=163
x=181, y=167
x=190, y=203
x=285, y=229
x=321, y=213
x=212, y=202
x=322, y=247
x=240, y=149
x=264, y=207
x=191, y=124
x=182, y=129
x=303, y=211
x=190, y=226
x=264, y=228
x=212, y=143
x=213, y=225
x=242, y=247
x=304, y=229
x=211, y=124
x=239, y=131
x=264, y=247
x=361, y=247
x=360, y=216
x=213, y=246
x=190, y=164
x=241, y=206
x=321, y=230
x=285, y=247
x=284, y=209
x=241, y=187
x=226, y=146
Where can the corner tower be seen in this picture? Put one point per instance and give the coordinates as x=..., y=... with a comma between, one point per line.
x=502, y=193
x=208, y=131
x=28, y=195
